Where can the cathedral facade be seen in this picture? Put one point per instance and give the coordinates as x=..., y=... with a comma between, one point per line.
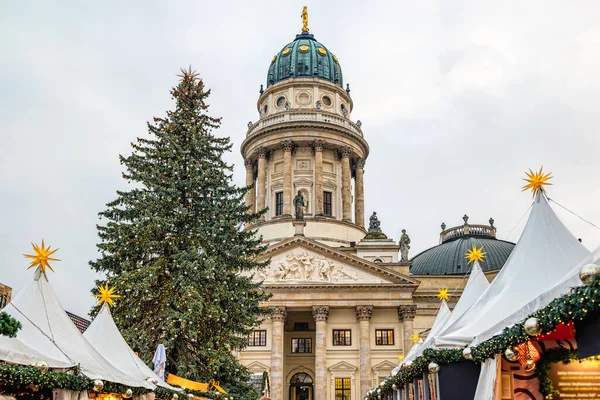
x=346, y=305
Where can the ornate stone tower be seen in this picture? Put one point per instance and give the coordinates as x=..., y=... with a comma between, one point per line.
x=306, y=144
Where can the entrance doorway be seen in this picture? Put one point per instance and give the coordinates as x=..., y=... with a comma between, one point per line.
x=301, y=387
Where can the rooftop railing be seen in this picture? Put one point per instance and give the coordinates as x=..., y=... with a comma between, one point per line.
x=301, y=116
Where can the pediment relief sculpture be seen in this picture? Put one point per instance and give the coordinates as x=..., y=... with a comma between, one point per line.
x=304, y=267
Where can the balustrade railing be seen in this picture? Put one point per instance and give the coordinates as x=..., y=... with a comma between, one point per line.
x=299, y=115
x=462, y=230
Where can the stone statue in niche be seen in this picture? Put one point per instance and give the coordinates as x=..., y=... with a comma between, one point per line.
x=404, y=246
x=299, y=204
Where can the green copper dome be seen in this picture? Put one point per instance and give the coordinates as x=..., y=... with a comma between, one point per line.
x=304, y=57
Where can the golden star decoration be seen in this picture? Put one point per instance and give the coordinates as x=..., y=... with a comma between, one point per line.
x=106, y=295
x=41, y=258
x=415, y=338
x=536, y=181
x=443, y=294
x=401, y=357
x=475, y=254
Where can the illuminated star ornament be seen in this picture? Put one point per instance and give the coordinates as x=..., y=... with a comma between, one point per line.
x=415, y=338
x=401, y=357
x=475, y=254
x=443, y=294
x=41, y=258
x=106, y=295
x=536, y=181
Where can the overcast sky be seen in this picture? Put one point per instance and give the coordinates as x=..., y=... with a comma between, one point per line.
x=457, y=99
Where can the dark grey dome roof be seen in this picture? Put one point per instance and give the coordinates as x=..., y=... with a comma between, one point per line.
x=448, y=258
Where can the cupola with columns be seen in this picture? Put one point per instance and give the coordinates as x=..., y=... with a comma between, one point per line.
x=306, y=143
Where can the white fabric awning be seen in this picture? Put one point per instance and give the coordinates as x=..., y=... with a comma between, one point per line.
x=544, y=254
x=104, y=335
x=51, y=335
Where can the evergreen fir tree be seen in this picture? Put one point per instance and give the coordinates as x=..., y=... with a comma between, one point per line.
x=174, y=246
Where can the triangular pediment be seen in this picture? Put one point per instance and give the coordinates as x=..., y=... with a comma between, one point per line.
x=302, y=261
x=257, y=367
x=384, y=366
x=342, y=366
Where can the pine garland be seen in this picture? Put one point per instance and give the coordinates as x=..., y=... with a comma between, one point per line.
x=577, y=305
x=8, y=325
x=19, y=379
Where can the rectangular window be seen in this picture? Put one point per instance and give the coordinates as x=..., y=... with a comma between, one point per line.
x=300, y=326
x=279, y=203
x=342, y=388
x=302, y=345
x=342, y=337
x=327, y=203
x=258, y=338
x=384, y=337
x=256, y=380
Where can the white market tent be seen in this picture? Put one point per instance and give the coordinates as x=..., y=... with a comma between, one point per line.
x=52, y=337
x=476, y=285
x=104, y=335
x=544, y=254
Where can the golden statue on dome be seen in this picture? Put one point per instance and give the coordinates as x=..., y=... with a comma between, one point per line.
x=304, y=16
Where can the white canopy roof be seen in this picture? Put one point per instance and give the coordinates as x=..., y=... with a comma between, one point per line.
x=475, y=286
x=50, y=333
x=104, y=335
x=544, y=254
x=563, y=287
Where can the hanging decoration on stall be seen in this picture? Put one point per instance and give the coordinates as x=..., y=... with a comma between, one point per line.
x=475, y=254
x=443, y=294
x=106, y=295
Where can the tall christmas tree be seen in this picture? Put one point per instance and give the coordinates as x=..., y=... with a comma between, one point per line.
x=174, y=246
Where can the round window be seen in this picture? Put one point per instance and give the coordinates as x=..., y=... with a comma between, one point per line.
x=326, y=101
x=281, y=101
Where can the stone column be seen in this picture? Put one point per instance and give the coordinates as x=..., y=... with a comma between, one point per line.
x=278, y=318
x=251, y=194
x=287, y=177
x=261, y=181
x=363, y=316
x=318, y=146
x=406, y=314
x=346, y=192
x=320, y=314
x=359, y=194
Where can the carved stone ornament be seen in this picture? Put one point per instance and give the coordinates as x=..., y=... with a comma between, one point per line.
x=407, y=312
x=318, y=145
x=279, y=314
x=287, y=145
x=261, y=152
x=303, y=164
x=345, y=151
x=360, y=163
x=304, y=267
x=363, y=313
x=248, y=163
x=320, y=313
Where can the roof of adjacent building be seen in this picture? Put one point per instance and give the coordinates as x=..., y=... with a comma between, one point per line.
x=81, y=323
x=448, y=258
x=305, y=57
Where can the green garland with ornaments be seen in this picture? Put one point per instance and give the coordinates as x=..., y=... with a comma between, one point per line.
x=8, y=325
x=574, y=306
x=23, y=381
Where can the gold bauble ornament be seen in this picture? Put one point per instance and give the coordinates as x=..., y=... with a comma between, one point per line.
x=588, y=273
x=510, y=354
x=128, y=393
x=529, y=365
x=532, y=326
x=408, y=363
x=467, y=353
x=394, y=386
x=190, y=396
x=175, y=397
x=98, y=385
x=434, y=368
